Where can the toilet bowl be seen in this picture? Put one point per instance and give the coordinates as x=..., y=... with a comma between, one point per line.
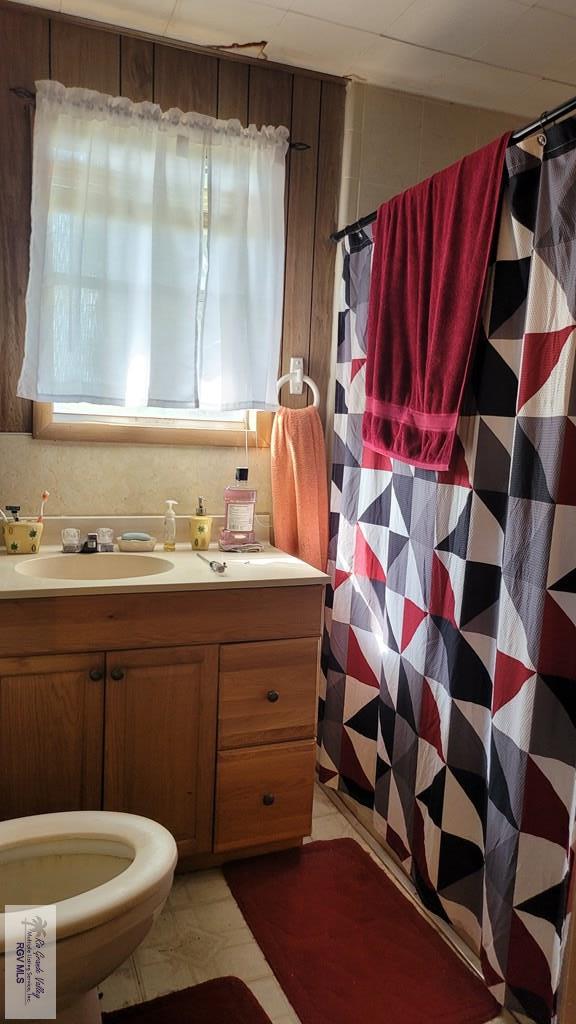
x=108, y=874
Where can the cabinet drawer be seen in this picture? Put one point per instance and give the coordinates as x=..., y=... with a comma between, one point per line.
x=267, y=692
x=264, y=794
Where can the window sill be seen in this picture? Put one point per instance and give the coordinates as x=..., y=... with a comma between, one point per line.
x=46, y=428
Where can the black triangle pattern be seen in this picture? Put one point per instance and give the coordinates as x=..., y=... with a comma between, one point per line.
x=396, y=544
x=378, y=512
x=498, y=788
x=481, y=589
x=458, y=857
x=340, y=405
x=567, y=584
x=404, y=705
x=510, y=290
x=548, y=905
x=528, y=476
x=433, y=797
x=457, y=541
x=365, y=721
x=495, y=384
x=497, y=503
x=387, y=728
x=492, y=468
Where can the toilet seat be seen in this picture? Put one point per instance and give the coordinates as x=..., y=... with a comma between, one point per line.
x=147, y=844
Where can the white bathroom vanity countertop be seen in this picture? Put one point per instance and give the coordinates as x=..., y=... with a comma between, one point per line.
x=268, y=568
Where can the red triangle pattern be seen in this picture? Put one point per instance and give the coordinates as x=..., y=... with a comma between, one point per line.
x=557, y=655
x=340, y=577
x=490, y=976
x=430, y=720
x=396, y=844
x=375, y=460
x=541, y=352
x=544, y=814
x=365, y=561
x=458, y=474
x=356, y=664
x=356, y=366
x=509, y=678
x=350, y=766
x=413, y=616
x=526, y=960
x=441, y=596
x=325, y=774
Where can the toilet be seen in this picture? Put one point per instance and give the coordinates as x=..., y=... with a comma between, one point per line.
x=109, y=875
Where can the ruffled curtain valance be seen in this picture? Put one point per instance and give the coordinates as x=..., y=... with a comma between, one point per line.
x=157, y=256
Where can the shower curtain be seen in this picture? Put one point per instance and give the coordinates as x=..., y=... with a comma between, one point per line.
x=450, y=647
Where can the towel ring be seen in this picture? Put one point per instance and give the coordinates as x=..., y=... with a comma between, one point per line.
x=289, y=378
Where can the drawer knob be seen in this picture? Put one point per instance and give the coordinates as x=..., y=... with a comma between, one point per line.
x=268, y=799
x=273, y=696
x=117, y=674
x=96, y=675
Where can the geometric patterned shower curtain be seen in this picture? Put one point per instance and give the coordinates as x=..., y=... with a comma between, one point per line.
x=450, y=648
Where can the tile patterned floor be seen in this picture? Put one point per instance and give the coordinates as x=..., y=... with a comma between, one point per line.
x=201, y=934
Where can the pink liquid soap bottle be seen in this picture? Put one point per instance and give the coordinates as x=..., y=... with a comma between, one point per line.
x=239, y=506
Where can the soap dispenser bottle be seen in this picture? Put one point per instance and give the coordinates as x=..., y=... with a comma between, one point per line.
x=170, y=525
x=239, y=508
x=200, y=528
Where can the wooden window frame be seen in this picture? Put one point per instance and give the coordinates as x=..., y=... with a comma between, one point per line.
x=46, y=428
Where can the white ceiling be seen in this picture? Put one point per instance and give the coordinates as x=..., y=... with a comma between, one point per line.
x=512, y=55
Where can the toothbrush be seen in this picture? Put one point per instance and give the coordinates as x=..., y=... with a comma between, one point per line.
x=45, y=496
x=218, y=567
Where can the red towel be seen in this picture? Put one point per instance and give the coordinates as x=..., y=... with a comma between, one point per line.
x=431, y=251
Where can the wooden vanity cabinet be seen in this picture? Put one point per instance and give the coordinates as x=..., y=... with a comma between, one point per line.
x=51, y=720
x=266, y=746
x=160, y=739
x=196, y=709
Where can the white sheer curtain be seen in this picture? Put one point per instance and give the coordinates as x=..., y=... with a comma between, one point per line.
x=156, y=256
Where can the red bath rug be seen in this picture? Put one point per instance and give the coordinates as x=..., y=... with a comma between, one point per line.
x=347, y=946
x=222, y=1001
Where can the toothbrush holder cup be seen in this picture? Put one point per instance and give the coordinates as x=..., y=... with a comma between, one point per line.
x=23, y=537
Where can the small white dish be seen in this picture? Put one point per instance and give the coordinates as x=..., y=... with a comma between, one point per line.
x=136, y=545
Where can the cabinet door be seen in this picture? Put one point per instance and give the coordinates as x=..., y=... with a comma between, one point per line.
x=51, y=712
x=267, y=692
x=264, y=794
x=160, y=739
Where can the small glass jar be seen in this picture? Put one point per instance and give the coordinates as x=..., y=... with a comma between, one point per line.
x=70, y=540
x=105, y=537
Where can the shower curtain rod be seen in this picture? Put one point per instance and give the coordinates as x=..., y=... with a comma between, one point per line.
x=518, y=136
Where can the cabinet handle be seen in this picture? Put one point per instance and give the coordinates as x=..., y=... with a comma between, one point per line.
x=117, y=674
x=268, y=799
x=272, y=696
x=96, y=675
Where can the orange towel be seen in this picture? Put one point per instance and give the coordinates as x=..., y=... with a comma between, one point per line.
x=299, y=485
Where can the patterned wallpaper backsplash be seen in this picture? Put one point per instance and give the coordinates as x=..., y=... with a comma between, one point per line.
x=85, y=479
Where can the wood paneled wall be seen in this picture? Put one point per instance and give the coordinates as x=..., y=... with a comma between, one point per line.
x=34, y=45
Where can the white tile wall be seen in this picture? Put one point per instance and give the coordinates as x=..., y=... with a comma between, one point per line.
x=393, y=140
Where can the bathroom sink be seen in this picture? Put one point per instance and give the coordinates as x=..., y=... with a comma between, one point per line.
x=105, y=566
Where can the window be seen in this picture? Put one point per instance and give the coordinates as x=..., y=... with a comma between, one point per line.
x=156, y=271
x=84, y=422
